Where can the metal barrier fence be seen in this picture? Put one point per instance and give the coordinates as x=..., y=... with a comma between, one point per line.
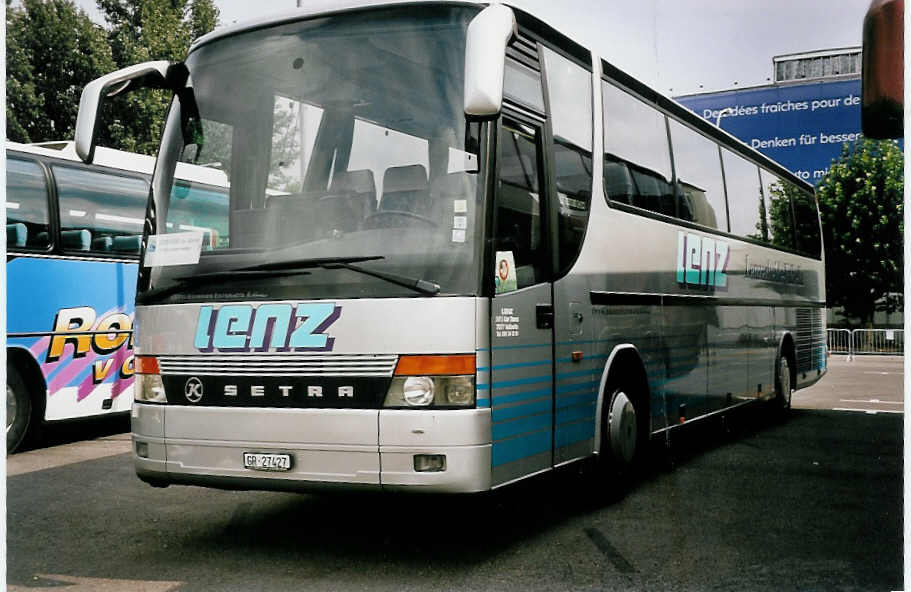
x=865, y=341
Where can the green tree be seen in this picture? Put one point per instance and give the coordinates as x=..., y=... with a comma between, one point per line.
x=860, y=203
x=53, y=50
x=139, y=31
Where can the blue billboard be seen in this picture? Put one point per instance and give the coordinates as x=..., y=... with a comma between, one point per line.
x=802, y=126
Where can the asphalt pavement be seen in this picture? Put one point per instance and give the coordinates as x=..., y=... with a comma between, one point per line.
x=750, y=503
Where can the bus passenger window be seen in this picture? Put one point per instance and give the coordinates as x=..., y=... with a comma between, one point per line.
x=635, y=136
x=569, y=90
x=518, y=214
x=700, y=187
x=746, y=208
x=26, y=205
x=778, y=195
x=100, y=212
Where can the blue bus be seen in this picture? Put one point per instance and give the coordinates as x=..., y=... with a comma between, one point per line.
x=73, y=234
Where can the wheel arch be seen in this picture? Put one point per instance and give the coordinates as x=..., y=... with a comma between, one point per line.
x=622, y=354
x=30, y=371
x=787, y=347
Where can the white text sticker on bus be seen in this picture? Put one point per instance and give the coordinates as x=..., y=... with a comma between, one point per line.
x=460, y=206
x=458, y=236
x=460, y=222
x=178, y=248
x=505, y=273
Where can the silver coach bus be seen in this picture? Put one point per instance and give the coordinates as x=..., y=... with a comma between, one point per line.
x=461, y=250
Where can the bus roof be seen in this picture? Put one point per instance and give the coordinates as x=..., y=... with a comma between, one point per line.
x=314, y=8
x=120, y=159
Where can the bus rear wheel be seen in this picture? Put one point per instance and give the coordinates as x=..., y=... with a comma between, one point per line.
x=783, y=388
x=18, y=409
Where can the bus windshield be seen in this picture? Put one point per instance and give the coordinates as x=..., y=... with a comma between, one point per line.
x=342, y=138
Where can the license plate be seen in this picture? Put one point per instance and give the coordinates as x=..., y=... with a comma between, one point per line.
x=259, y=461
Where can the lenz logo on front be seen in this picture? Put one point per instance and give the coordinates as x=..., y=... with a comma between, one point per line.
x=280, y=327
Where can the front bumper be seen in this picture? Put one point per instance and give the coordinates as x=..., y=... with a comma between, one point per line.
x=330, y=448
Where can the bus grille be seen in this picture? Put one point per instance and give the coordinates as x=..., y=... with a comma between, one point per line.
x=280, y=365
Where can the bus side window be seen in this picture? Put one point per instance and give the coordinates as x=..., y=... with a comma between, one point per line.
x=27, y=219
x=745, y=204
x=777, y=195
x=635, y=134
x=569, y=90
x=518, y=215
x=700, y=187
x=100, y=212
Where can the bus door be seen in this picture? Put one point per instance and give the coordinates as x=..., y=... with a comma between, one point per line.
x=522, y=320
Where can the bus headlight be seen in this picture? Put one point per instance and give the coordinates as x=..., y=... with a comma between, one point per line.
x=440, y=381
x=431, y=391
x=417, y=391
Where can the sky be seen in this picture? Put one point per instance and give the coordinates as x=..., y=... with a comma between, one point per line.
x=676, y=46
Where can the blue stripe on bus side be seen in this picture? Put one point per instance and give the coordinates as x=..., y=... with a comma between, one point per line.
x=517, y=365
x=564, y=402
x=570, y=414
x=516, y=382
x=530, y=408
x=520, y=396
x=573, y=433
x=577, y=386
x=521, y=447
x=522, y=426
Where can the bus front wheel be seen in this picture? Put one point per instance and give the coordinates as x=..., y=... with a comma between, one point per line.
x=18, y=409
x=622, y=435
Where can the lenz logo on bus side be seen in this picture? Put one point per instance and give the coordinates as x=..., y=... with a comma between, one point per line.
x=702, y=262
x=282, y=327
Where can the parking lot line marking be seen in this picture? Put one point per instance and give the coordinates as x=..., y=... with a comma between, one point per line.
x=883, y=373
x=867, y=411
x=872, y=401
x=600, y=541
x=55, y=582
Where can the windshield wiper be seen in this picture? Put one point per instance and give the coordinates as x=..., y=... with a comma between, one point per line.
x=188, y=281
x=290, y=268
x=417, y=284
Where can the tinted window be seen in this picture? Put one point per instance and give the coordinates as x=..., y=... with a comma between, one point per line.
x=100, y=212
x=700, y=187
x=569, y=91
x=518, y=204
x=746, y=208
x=807, y=218
x=637, y=162
x=201, y=208
x=26, y=205
x=523, y=84
x=778, y=208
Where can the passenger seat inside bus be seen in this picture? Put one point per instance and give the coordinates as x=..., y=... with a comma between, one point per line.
x=76, y=240
x=16, y=235
x=127, y=244
x=351, y=200
x=405, y=189
x=102, y=243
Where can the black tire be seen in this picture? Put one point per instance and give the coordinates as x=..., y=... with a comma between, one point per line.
x=18, y=410
x=783, y=387
x=623, y=434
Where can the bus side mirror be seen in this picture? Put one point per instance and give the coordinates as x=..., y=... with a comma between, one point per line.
x=485, y=59
x=145, y=75
x=882, y=109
